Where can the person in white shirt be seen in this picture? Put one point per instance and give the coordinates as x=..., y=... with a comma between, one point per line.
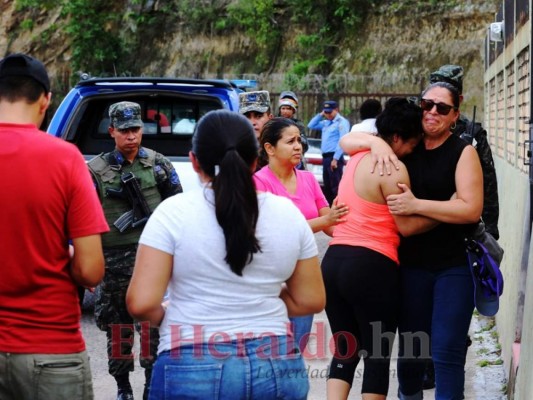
x=234, y=271
x=368, y=112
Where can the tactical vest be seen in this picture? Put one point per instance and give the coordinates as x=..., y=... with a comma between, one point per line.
x=108, y=177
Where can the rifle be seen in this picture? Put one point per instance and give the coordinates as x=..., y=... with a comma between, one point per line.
x=140, y=210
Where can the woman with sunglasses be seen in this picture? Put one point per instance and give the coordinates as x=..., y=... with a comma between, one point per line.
x=437, y=298
x=360, y=267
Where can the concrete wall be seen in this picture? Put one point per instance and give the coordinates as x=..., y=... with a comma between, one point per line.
x=513, y=192
x=508, y=110
x=523, y=388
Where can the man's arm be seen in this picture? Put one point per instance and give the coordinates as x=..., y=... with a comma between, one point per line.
x=87, y=264
x=344, y=128
x=315, y=122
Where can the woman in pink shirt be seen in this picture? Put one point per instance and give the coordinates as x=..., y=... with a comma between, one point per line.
x=281, y=151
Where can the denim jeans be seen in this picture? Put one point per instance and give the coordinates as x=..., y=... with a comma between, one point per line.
x=258, y=369
x=301, y=327
x=45, y=376
x=436, y=310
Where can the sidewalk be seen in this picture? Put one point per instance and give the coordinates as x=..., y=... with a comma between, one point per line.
x=485, y=377
x=485, y=382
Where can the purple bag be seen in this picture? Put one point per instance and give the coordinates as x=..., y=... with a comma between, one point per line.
x=487, y=277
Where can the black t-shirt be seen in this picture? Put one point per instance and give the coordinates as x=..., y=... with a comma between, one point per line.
x=432, y=174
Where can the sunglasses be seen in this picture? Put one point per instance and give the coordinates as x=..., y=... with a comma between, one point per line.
x=442, y=108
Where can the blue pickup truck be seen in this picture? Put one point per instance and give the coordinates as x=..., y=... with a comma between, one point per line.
x=170, y=108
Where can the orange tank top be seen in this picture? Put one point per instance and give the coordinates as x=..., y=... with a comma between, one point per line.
x=368, y=224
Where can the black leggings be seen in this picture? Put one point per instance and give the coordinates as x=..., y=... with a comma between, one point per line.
x=362, y=302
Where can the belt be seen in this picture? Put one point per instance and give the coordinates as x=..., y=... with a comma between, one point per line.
x=330, y=154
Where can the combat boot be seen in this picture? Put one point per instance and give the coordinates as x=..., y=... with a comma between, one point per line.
x=124, y=390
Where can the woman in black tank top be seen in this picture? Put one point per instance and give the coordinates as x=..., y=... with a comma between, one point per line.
x=437, y=289
x=437, y=292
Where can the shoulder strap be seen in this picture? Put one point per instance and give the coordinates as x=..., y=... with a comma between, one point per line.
x=98, y=165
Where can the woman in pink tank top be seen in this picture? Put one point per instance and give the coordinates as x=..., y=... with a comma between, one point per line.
x=360, y=268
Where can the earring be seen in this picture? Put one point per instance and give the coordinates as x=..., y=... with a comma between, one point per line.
x=453, y=126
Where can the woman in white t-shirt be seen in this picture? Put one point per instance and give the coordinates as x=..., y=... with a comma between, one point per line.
x=233, y=278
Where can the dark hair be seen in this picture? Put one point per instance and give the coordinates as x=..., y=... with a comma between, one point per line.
x=16, y=88
x=271, y=133
x=225, y=145
x=370, y=109
x=456, y=99
x=400, y=117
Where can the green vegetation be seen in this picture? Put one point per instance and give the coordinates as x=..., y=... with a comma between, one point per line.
x=108, y=38
x=89, y=25
x=102, y=33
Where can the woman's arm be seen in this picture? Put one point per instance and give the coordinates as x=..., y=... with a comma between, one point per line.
x=463, y=209
x=407, y=225
x=328, y=218
x=304, y=292
x=151, y=275
x=382, y=154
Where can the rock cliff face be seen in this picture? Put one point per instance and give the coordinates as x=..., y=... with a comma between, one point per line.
x=400, y=43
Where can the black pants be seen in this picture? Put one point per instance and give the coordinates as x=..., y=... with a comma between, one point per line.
x=331, y=177
x=362, y=304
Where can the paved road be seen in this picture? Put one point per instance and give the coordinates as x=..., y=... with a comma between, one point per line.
x=481, y=382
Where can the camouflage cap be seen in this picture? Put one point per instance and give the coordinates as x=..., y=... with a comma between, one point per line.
x=453, y=74
x=287, y=94
x=254, y=101
x=288, y=102
x=125, y=114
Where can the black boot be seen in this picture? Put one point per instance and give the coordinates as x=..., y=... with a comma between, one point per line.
x=124, y=391
x=147, y=380
x=429, y=375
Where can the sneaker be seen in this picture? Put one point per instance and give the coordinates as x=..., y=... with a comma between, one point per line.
x=125, y=394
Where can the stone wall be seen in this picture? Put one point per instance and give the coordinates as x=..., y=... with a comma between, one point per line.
x=394, y=51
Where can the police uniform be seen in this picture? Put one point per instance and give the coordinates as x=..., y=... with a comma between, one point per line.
x=157, y=180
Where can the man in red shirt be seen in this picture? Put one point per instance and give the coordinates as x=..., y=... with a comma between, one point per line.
x=48, y=198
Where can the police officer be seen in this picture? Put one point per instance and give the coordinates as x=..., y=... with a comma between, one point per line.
x=131, y=181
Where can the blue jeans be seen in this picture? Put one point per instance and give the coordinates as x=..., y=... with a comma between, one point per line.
x=436, y=310
x=301, y=327
x=258, y=369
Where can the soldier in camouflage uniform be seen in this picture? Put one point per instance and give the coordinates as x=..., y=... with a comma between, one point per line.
x=157, y=180
x=256, y=107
